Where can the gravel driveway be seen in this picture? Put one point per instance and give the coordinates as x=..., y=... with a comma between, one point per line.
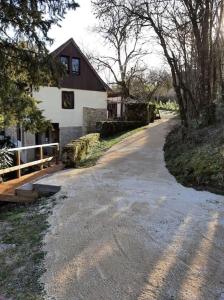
x=128, y=230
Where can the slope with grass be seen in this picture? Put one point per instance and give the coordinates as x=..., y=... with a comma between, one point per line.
x=197, y=158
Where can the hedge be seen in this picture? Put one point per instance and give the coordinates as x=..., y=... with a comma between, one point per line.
x=76, y=150
x=140, y=112
x=109, y=128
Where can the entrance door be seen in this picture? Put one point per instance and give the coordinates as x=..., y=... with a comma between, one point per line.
x=55, y=133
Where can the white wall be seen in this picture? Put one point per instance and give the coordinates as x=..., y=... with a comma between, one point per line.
x=51, y=104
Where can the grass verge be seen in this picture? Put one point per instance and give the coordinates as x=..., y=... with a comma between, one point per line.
x=103, y=145
x=197, y=158
x=22, y=228
x=167, y=106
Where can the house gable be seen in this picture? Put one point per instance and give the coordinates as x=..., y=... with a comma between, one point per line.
x=88, y=79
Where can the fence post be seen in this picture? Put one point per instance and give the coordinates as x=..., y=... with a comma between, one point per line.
x=57, y=154
x=41, y=157
x=18, y=163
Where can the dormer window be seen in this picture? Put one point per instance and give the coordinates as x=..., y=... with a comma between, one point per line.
x=75, y=66
x=65, y=62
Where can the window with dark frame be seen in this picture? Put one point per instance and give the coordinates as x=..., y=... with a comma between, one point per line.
x=76, y=66
x=68, y=100
x=65, y=62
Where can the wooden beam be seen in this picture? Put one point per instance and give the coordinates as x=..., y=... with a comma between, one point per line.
x=26, y=165
x=33, y=147
x=41, y=158
x=40, y=162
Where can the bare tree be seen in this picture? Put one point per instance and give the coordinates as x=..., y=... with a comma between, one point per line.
x=122, y=35
x=189, y=32
x=145, y=86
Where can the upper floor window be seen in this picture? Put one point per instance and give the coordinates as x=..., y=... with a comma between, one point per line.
x=76, y=66
x=65, y=62
x=68, y=101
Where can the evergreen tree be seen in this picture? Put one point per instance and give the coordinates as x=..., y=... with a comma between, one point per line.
x=25, y=63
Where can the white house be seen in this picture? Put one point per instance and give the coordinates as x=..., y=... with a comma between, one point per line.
x=73, y=108
x=67, y=107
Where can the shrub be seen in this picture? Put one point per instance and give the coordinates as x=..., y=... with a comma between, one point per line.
x=140, y=112
x=6, y=159
x=109, y=128
x=75, y=151
x=169, y=105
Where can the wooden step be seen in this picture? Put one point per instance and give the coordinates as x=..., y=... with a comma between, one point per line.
x=15, y=199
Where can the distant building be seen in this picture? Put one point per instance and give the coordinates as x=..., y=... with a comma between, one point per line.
x=114, y=103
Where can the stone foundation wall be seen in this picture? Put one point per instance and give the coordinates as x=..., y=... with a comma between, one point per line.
x=29, y=140
x=67, y=134
x=91, y=116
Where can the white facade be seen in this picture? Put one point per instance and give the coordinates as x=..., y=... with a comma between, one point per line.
x=51, y=104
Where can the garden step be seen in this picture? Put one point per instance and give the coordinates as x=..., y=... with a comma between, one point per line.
x=46, y=189
x=26, y=190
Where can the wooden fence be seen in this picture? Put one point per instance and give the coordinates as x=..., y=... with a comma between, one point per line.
x=18, y=167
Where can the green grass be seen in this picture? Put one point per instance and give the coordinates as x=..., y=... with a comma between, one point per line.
x=103, y=145
x=197, y=158
x=169, y=106
x=22, y=228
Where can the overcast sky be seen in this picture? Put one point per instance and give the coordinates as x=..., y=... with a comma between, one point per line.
x=77, y=24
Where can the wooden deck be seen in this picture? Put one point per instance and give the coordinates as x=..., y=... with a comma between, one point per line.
x=7, y=189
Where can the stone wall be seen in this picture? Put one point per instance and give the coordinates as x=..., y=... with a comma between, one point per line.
x=91, y=116
x=78, y=149
x=67, y=134
x=28, y=140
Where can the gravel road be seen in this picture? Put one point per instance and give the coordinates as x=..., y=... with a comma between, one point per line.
x=128, y=230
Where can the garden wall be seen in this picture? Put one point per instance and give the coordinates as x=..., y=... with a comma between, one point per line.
x=91, y=116
x=77, y=150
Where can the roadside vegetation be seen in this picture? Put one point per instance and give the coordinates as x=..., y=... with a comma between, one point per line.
x=169, y=106
x=105, y=144
x=22, y=228
x=194, y=152
x=196, y=157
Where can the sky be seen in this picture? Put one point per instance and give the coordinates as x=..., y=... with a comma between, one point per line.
x=78, y=25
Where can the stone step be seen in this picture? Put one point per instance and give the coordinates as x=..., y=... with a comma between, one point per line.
x=46, y=189
x=26, y=190
x=31, y=191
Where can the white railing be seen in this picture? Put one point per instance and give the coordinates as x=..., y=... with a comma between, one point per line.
x=18, y=167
